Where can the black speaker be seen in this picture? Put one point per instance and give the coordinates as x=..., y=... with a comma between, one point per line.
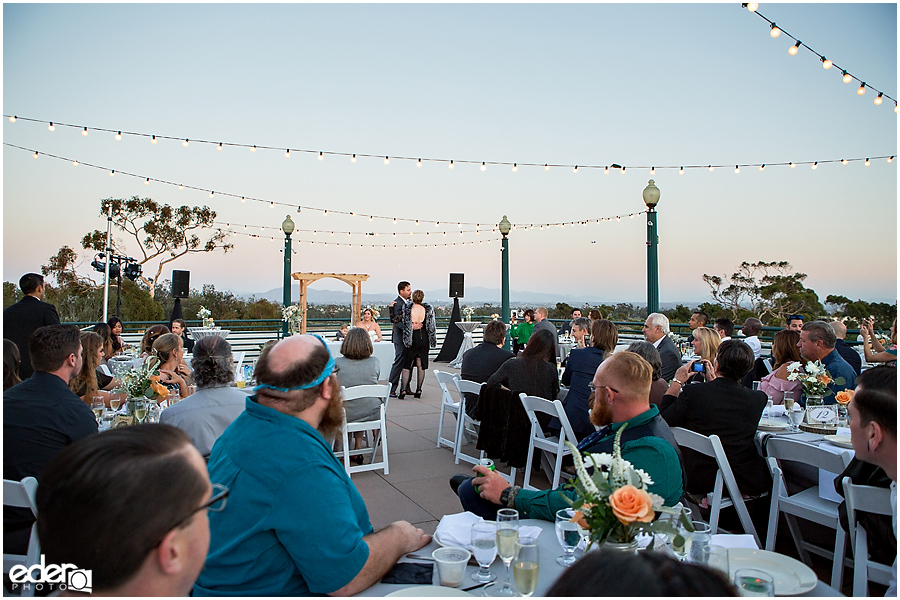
x=456, y=285
x=181, y=284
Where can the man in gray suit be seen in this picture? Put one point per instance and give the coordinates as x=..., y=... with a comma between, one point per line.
x=542, y=322
x=656, y=331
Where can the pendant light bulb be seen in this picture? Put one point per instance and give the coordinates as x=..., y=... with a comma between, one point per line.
x=878, y=99
x=862, y=88
x=185, y=143
x=118, y=136
x=153, y=139
x=219, y=148
x=793, y=50
x=12, y=118
x=353, y=158
x=826, y=63
x=51, y=127
x=85, y=131
x=775, y=32
x=387, y=160
x=737, y=169
x=847, y=77
x=681, y=171
x=483, y=167
x=321, y=156
x=515, y=167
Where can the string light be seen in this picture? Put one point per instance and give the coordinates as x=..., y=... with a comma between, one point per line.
x=737, y=169
x=793, y=50
x=606, y=170
x=867, y=162
x=575, y=170
x=515, y=167
x=353, y=158
x=51, y=128
x=711, y=168
x=826, y=63
x=483, y=167
x=862, y=89
x=85, y=132
x=761, y=167
x=12, y=118
x=775, y=32
x=451, y=164
x=752, y=6
x=844, y=161
x=35, y=155
x=180, y=186
x=419, y=163
x=153, y=140
x=211, y=194
x=287, y=153
x=793, y=166
x=652, y=170
x=623, y=170
x=321, y=156
x=815, y=165
x=253, y=149
x=681, y=171
x=546, y=167
x=387, y=160
x=147, y=182
x=118, y=136
x=847, y=77
x=878, y=99
x=185, y=143
x=112, y=173
x=890, y=159
x=220, y=147
x=74, y=163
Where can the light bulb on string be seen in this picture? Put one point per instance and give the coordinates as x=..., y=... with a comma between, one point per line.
x=180, y=186
x=253, y=149
x=219, y=148
x=681, y=171
x=623, y=170
x=652, y=170
x=450, y=165
x=793, y=166
x=867, y=162
x=862, y=89
x=483, y=167
x=844, y=161
x=737, y=169
x=51, y=127
x=147, y=182
x=185, y=143
x=85, y=131
x=826, y=63
x=211, y=193
x=775, y=32
x=112, y=173
x=711, y=168
x=546, y=167
x=74, y=163
x=575, y=170
x=762, y=166
x=118, y=136
x=606, y=170
x=35, y=155
x=321, y=156
x=153, y=139
x=878, y=99
x=890, y=159
x=752, y=6
x=287, y=153
x=847, y=77
x=12, y=118
x=815, y=165
x=271, y=205
x=515, y=167
x=418, y=162
x=793, y=50
x=895, y=107
x=353, y=158
x=244, y=201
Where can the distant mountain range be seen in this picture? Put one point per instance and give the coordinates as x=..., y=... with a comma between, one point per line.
x=474, y=295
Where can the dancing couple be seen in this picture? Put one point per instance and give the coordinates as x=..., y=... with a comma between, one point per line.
x=413, y=334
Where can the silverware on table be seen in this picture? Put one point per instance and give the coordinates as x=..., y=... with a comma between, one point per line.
x=475, y=587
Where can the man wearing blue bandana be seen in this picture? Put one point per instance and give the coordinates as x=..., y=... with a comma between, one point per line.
x=298, y=525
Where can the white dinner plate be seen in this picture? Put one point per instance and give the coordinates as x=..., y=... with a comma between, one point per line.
x=791, y=576
x=771, y=425
x=842, y=441
x=420, y=591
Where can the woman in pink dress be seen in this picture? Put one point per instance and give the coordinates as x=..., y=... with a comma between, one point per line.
x=784, y=352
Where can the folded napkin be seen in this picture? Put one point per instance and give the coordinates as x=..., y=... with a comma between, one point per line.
x=456, y=530
x=730, y=540
x=777, y=411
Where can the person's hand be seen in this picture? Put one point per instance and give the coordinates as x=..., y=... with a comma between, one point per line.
x=412, y=537
x=684, y=372
x=172, y=376
x=491, y=483
x=393, y=302
x=709, y=372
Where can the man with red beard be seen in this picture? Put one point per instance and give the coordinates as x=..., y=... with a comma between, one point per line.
x=298, y=525
x=621, y=388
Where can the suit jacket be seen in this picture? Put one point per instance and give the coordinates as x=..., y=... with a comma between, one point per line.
x=396, y=316
x=727, y=409
x=580, y=368
x=505, y=429
x=671, y=358
x=849, y=354
x=478, y=364
x=19, y=322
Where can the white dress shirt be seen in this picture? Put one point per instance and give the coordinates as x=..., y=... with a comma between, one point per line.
x=753, y=342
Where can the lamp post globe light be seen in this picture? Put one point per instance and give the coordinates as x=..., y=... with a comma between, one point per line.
x=651, y=199
x=505, y=226
x=287, y=226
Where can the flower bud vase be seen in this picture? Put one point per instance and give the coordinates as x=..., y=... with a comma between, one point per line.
x=625, y=547
x=812, y=401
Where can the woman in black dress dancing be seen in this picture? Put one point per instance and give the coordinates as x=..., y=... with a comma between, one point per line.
x=418, y=336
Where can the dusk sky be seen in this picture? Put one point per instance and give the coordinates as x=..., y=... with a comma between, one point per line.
x=638, y=85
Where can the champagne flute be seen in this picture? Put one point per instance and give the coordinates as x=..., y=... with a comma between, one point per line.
x=568, y=535
x=140, y=410
x=526, y=566
x=507, y=534
x=484, y=547
x=115, y=402
x=98, y=406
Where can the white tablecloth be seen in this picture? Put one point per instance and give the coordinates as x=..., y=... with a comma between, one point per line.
x=467, y=344
x=202, y=332
x=384, y=351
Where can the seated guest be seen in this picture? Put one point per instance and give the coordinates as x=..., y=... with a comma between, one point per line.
x=357, y=366
x=105, y=333
x=817, y=341
x=11, y=361
x=611, y=573
x=656, y=331
x=567, y=326
x=595, y=315
x=296, y=524
x=751, y=328
x=880, y=354
x=179, y=328
x=482, y=361
x=794, y=322
x=648, y=352
x=342, y=333
x=784, y=353
x=706, y=345
x=206, y=413
x=533, y=373
x=151, y=336
x=580, y=330
x=99, y=508
x=90, y=381
x=847, y=353
x=41, y=416
x=622, y=384
x=581, y=365
x=115, y=326
x=873, y=432
x=172, y=373
x=724, y=327
x=698, y=319
x=520, y=332
x=721, y=406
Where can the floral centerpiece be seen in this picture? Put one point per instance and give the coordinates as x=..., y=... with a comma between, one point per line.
x=468, y=312
x=675, y=337
x=204, y=314
x=142, y=382
x=612, y=502
x=495, y=316
x=814, y=378
x=292, y=315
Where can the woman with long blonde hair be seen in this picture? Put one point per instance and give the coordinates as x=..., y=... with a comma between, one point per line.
x=90, y=382
x=706, y=345
x=169, y=350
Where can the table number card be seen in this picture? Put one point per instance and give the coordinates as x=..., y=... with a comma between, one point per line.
x=123, y=421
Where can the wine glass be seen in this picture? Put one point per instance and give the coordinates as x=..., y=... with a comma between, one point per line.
x=153, y=412
x=140, y=410
x=788, y=402
x=507, y=535
x=526, y=565
x=568, y=535
x=115, y=402
x=98, y=406
x=796, y=417
x=484, y=547
x=107, y=420
x=768, y=406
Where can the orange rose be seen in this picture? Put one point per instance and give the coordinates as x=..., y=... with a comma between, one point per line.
x=630, y=504
x=154, y=378
x=844, y=396
x=160, y=390
x=823, y=378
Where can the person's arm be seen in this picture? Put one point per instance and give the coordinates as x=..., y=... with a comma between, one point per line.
x=567, y=374
x=385, y=549
x=51, y=317
x=378, y=337
x=499, y=375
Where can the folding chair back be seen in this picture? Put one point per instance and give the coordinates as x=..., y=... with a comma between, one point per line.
x=448, y=404
x=877, y=501
x=382, y=392
x=552, y=444
x=237, y=359
x=806, y=504
x=464, y=386
x=712, y=446
x=20, y=494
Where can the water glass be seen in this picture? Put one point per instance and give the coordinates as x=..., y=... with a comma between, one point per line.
x=484, y=547
x=716, y=557
x=107, y=420
x=753, y=582
x=568, y=535
x=153, y=413
x=700, y=538
x=526, y=566
x=768, y=406
x=796, y=418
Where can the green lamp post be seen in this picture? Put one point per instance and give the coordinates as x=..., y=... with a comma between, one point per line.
x=505, y=226
x=651, y=199
x=287, y=226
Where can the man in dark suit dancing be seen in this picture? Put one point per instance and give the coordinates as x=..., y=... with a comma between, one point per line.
x=22, y=318
x=656, y=331
x=404, y=291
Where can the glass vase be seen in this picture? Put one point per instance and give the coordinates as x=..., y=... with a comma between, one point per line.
x=626, y=547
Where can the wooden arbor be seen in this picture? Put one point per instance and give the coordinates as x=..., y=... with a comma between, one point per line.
x=354, y=280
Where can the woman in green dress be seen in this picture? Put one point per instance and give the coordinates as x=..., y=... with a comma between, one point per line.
x=520, y=332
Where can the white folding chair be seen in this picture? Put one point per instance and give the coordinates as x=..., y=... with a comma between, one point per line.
x=464, y=386
x=874, y=500
x=447, y=405
x=712, y=446
x=20, y=494
x=382, y=392
x=553, y=444
x=768, y=364
x=806, y=504
x=237, y=359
